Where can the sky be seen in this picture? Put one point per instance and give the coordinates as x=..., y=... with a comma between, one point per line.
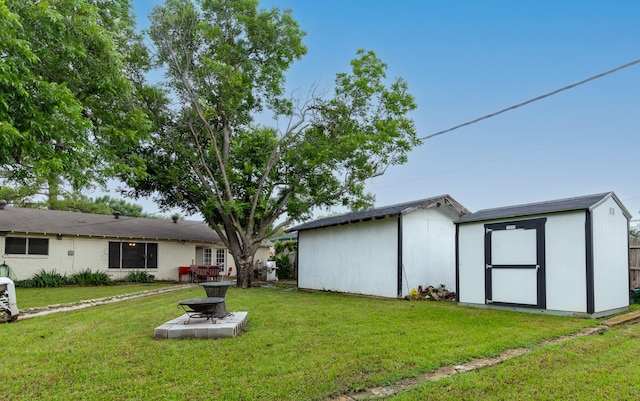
x=465, y=59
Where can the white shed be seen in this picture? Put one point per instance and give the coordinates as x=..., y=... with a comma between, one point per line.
x=381, y=252
x=566, y=257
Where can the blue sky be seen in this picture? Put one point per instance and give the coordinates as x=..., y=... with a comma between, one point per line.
x=465, y=59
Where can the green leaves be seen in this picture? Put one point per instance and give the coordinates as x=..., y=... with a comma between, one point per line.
x=226, y=63
x=355, y=135
x=70, y=90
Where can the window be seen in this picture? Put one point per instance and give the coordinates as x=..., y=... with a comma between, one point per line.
x=26, y=246
x=124, y=255
x=221, y=258
x=206, y=256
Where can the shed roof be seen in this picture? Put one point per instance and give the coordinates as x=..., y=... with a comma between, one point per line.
x=587, y=202
x=43, y=221
x=393, y=210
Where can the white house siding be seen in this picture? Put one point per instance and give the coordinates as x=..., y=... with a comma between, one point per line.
x=566, y=280
x=70, y=255
x=428, y=243
x=610, y=256
x=356, y=258
x=58, y=259
x=471, y=263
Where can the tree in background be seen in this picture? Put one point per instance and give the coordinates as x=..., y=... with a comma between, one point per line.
x=73, y=202
x=225, y=63
x=73, y=98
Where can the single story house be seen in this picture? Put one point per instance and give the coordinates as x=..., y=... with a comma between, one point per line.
x=566, y=257
x=383, y=252
x=32, y=240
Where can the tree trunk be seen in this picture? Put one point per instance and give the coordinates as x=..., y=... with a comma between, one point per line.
x=53, y=191
x=244, y=264
x=245, y=272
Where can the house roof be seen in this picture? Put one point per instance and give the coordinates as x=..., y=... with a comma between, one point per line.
x=393, y=210
x=290, y=236
x=587, y=202
x=42, y=221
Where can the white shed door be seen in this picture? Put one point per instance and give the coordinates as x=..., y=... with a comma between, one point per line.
x=515, y=260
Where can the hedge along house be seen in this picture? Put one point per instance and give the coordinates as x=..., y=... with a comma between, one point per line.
x=566, y=257
x=381, y=252
x=32, y=240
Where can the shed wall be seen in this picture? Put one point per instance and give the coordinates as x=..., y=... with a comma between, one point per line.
x=471, y=267
x=358, y=258
x=610, y=256
x=565, y=258
x=566, y=278
x=429, y=248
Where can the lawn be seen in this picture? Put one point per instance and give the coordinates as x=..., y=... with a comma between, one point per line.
x=297, y=346
x=38, y=297
x=600, y=367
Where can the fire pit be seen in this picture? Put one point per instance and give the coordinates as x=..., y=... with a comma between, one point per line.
x=209, y=308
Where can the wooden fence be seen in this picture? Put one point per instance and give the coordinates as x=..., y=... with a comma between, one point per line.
x=634, y=261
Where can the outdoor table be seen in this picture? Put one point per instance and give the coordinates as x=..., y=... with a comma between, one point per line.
x=209, y=308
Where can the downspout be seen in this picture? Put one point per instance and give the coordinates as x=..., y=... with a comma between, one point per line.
x=629, y=254
x=399, y=267
x=296, y=269
x=589, y=259
x=457, y=262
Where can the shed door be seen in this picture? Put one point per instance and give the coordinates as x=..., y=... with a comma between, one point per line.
x=515, y=263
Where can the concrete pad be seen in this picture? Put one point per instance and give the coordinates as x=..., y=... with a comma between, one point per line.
x=183, y=327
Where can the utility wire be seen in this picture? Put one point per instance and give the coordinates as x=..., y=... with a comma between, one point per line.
x=532, y=100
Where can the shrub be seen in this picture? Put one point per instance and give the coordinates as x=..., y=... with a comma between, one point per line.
x=44, y=279
x=87, y=277
x=138, y=277
x=285, y=252
x=285, y=268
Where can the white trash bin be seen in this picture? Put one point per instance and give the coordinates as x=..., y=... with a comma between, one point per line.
x=8, y=306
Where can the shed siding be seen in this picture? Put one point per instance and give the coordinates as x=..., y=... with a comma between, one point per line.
x=358, y=258
x=566, y=262
x=611, y=257
x=429, y=248
x=471, y=263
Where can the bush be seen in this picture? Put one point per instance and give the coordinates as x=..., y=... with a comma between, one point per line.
x=44, y=279
x=87, y=277
x=285, y=251
x=285, y=268
x=138, y=277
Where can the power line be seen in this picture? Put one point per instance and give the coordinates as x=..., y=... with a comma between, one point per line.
x=532, y=100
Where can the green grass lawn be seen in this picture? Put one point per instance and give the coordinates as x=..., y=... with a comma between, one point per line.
x=38, y=297
x=297, y=346
x=599, y=367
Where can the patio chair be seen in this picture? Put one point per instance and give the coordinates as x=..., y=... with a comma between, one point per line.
x=214, y=273
x=201, y=274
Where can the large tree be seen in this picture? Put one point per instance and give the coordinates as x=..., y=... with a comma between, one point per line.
x=225, y=62
x=73, y=97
